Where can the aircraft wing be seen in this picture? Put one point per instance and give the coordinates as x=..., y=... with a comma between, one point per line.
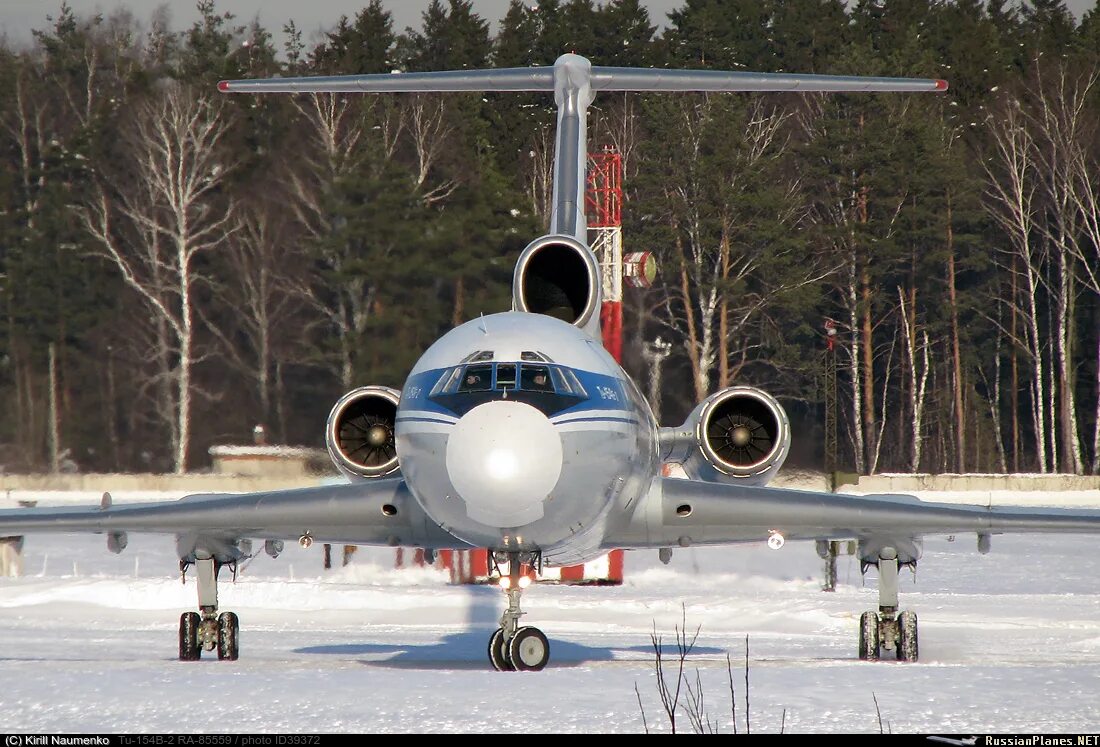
x=689, y=512
x=377, y=512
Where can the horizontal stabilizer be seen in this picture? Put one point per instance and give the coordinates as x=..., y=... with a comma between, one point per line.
x=649, y=79
x=600, y=79
x=503, y=79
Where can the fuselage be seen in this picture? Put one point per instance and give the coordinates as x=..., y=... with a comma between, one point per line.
x=519, y=432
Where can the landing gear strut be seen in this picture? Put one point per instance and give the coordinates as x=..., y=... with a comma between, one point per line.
x=514, y=647
x=206, y=629
x=886, y=629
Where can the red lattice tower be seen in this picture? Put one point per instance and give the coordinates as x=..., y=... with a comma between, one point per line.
x=603, y=202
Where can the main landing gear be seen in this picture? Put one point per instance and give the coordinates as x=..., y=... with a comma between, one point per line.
x=206, y=629
x=886, y=629
x=513, y=647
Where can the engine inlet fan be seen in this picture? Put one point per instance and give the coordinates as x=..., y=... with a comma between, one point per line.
x=743, y=431
x=360, y=432
x=740, y=439
x=367, y=438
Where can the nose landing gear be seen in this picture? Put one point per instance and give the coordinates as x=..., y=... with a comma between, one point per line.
x=513, y=647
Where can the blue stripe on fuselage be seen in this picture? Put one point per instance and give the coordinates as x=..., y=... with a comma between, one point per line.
x=424, y=420
x=632, y=421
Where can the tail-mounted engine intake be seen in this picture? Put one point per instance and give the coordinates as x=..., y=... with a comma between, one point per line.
x=558, y=276
x=360, y=432
x=740, y=433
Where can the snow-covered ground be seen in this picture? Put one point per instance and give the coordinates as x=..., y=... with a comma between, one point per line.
x=1010, y=642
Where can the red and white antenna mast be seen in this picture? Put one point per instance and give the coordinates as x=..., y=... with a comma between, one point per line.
x=603, y=202
x=604, y=208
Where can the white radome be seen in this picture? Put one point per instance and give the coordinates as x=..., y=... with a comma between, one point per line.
x=504, y=458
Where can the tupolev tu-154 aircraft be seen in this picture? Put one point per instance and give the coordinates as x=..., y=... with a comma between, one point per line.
x=518, y=432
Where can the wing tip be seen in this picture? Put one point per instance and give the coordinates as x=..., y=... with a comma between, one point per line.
x=223, y=85
x=941, y=85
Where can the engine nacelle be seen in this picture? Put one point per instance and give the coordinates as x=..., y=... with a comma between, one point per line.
x=360, y=432
x=558, y=276
x=739, y=433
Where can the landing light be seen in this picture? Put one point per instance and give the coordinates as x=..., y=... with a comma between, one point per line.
x=505, y=582
x=524, y=582
x=776, y=540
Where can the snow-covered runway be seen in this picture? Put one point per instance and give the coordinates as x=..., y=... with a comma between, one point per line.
x=1010, y=642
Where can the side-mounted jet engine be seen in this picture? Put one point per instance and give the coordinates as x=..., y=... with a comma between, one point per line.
x=739, y=434
x=359, y=434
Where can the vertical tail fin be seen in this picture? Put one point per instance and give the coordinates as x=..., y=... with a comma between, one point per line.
x=574, y=82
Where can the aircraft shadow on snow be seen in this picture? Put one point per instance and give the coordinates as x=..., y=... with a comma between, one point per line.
x=465, y=648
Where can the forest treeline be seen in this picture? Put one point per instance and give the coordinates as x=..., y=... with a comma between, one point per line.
x=178, y=265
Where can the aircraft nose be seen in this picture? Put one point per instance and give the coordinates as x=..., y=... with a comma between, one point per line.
x=504, y=458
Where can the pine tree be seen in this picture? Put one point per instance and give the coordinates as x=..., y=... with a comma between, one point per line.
x=808, y=34
x=623, y=35
x=1047, y=25
x=723, y=35
x=451, y=38
x=362, y=47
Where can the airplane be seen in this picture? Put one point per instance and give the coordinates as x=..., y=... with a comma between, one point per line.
x=519, y=433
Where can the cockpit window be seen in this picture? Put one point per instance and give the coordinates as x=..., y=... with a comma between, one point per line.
x=477, y=356
x=477, y=379
x=527, y=377
x=560, y=382
x=506, y=376
x=548, y=387
x=535, y=378
x=448, y=382
x=575, y=383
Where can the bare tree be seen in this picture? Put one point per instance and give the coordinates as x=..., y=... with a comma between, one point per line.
x=359, y=138
x=263, y=262
x=539, y=175
x=1061, y=119
x=722, y=286
x=918, y=379
x=1011, y=199
x=1040, y=191
x=670, y=694
x=335, y=129
x=154, y=221
x=429, y=130
x=1082, y=195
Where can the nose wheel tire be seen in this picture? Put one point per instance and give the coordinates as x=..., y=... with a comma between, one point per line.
x=190, y=643
x=498, y=652
x=529, y=650
x=229, y=628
